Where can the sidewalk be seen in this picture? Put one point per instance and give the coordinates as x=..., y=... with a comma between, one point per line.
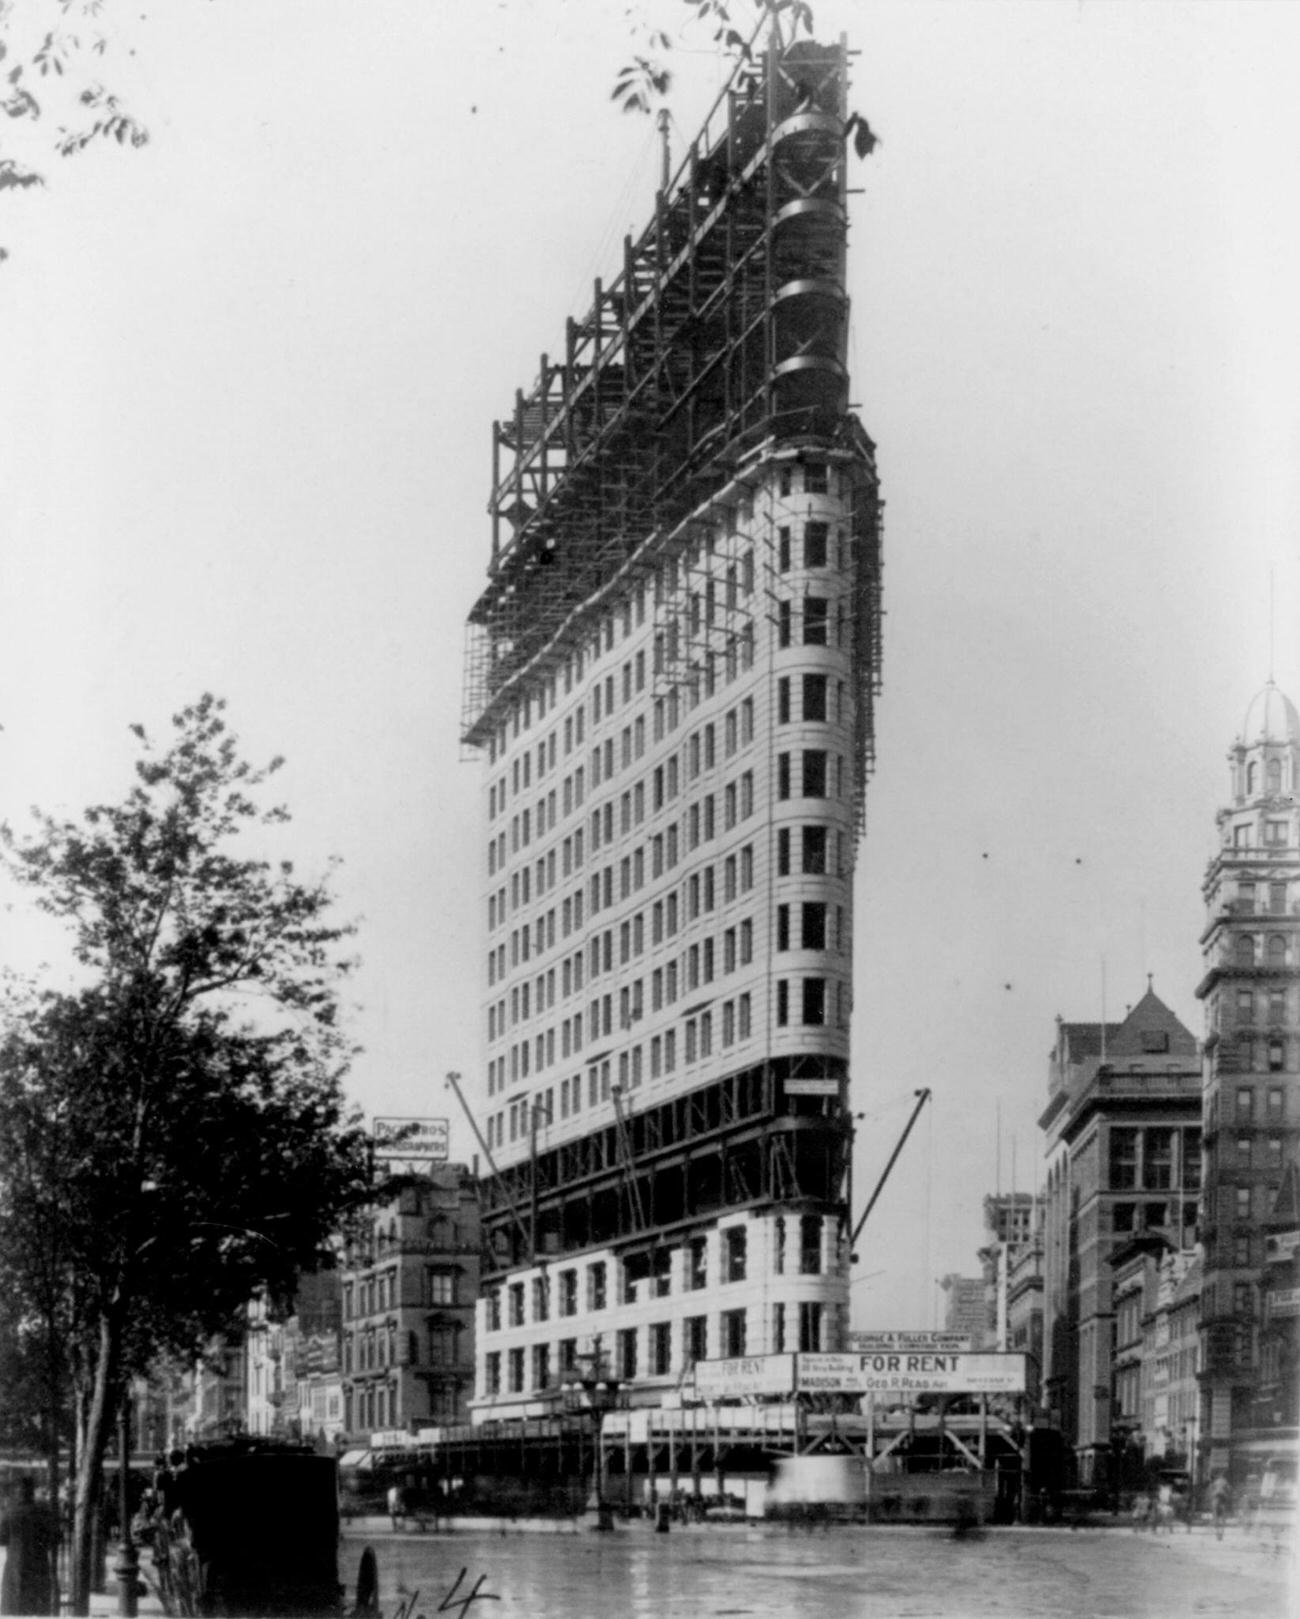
x=104, y=1603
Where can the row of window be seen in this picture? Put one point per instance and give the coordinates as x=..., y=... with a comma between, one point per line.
x=378, y=1406
x=1252, y=899
x=1269, y=1005
x=812, y=621
x=808, y=1002
x=613, y=754
x=698, y=756
x=1246, y=951
x=1246, y=1202
x=735, y=1024
x=378, y=1347
x=1156, y=1158
x=671, y=575
x=697, y=897
x=815, y=547
x=648, y=1351
x=642, y=1277
x=809, y=773
x=1276, y=834
x=1245, y=1108
x=1271, y=777
x=373, y=1295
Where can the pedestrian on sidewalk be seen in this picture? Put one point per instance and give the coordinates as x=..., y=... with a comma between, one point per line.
x=29, y=1535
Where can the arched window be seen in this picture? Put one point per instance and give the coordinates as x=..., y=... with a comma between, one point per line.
x=1277, y=950
x=1246, y=950
x=1273, y=774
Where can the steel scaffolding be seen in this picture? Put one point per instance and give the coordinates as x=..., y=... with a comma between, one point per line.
x=723, y=335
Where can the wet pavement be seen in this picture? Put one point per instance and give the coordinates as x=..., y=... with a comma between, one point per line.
x=842, y=1573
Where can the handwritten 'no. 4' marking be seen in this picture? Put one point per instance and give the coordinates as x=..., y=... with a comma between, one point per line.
x=451, y=1602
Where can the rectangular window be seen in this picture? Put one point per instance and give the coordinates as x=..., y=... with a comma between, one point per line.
x=783, y=775
x=783, y=700
x=814, y=697
x=661, y=1349
x=1158, y=1160
x=814, y=926
x=596, y=1287
x=810, y=1245
x=782, y=1002
x=1123, y=1159
x=814, y=773
x=782, y=852
x=816, y=621
x=814, y=1001
x=815, y=544
x=733, y=1333
x=734, y=1250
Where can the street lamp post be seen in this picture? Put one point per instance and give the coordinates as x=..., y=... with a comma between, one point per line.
x=590, y=1379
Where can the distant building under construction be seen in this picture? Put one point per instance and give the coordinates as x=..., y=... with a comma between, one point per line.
x=671, y=677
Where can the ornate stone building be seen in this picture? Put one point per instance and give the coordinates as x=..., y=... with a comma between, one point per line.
x=1123, y=1145
x=1251, y=991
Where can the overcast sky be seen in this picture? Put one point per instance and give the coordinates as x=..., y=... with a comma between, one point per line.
x=247, y=377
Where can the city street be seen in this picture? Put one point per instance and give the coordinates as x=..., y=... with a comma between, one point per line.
x=844, y=1573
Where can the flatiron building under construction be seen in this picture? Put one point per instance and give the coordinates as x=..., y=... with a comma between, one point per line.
x=670, y=677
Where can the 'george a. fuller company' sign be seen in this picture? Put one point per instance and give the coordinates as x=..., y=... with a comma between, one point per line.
x=912, y=1371
x=919, y=1340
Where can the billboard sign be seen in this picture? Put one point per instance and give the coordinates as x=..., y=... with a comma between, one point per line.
x=749, y=1374
x=912, y=1372
x=1283, y=1301
x=411, y=1140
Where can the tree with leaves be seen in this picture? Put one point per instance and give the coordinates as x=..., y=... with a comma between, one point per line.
x=175, y=1130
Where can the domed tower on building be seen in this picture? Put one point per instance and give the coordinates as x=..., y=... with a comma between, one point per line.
x=1251, y=991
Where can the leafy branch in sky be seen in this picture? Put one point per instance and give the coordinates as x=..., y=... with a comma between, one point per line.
x=646, y=79
x=51, y=94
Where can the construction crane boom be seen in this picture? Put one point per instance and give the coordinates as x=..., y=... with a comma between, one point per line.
x=453, y=1079
x=922, y=1097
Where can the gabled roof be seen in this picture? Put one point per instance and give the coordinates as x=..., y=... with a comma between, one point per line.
x=1189, y=1285
x=1286, y=1205
x=1151, y=1017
